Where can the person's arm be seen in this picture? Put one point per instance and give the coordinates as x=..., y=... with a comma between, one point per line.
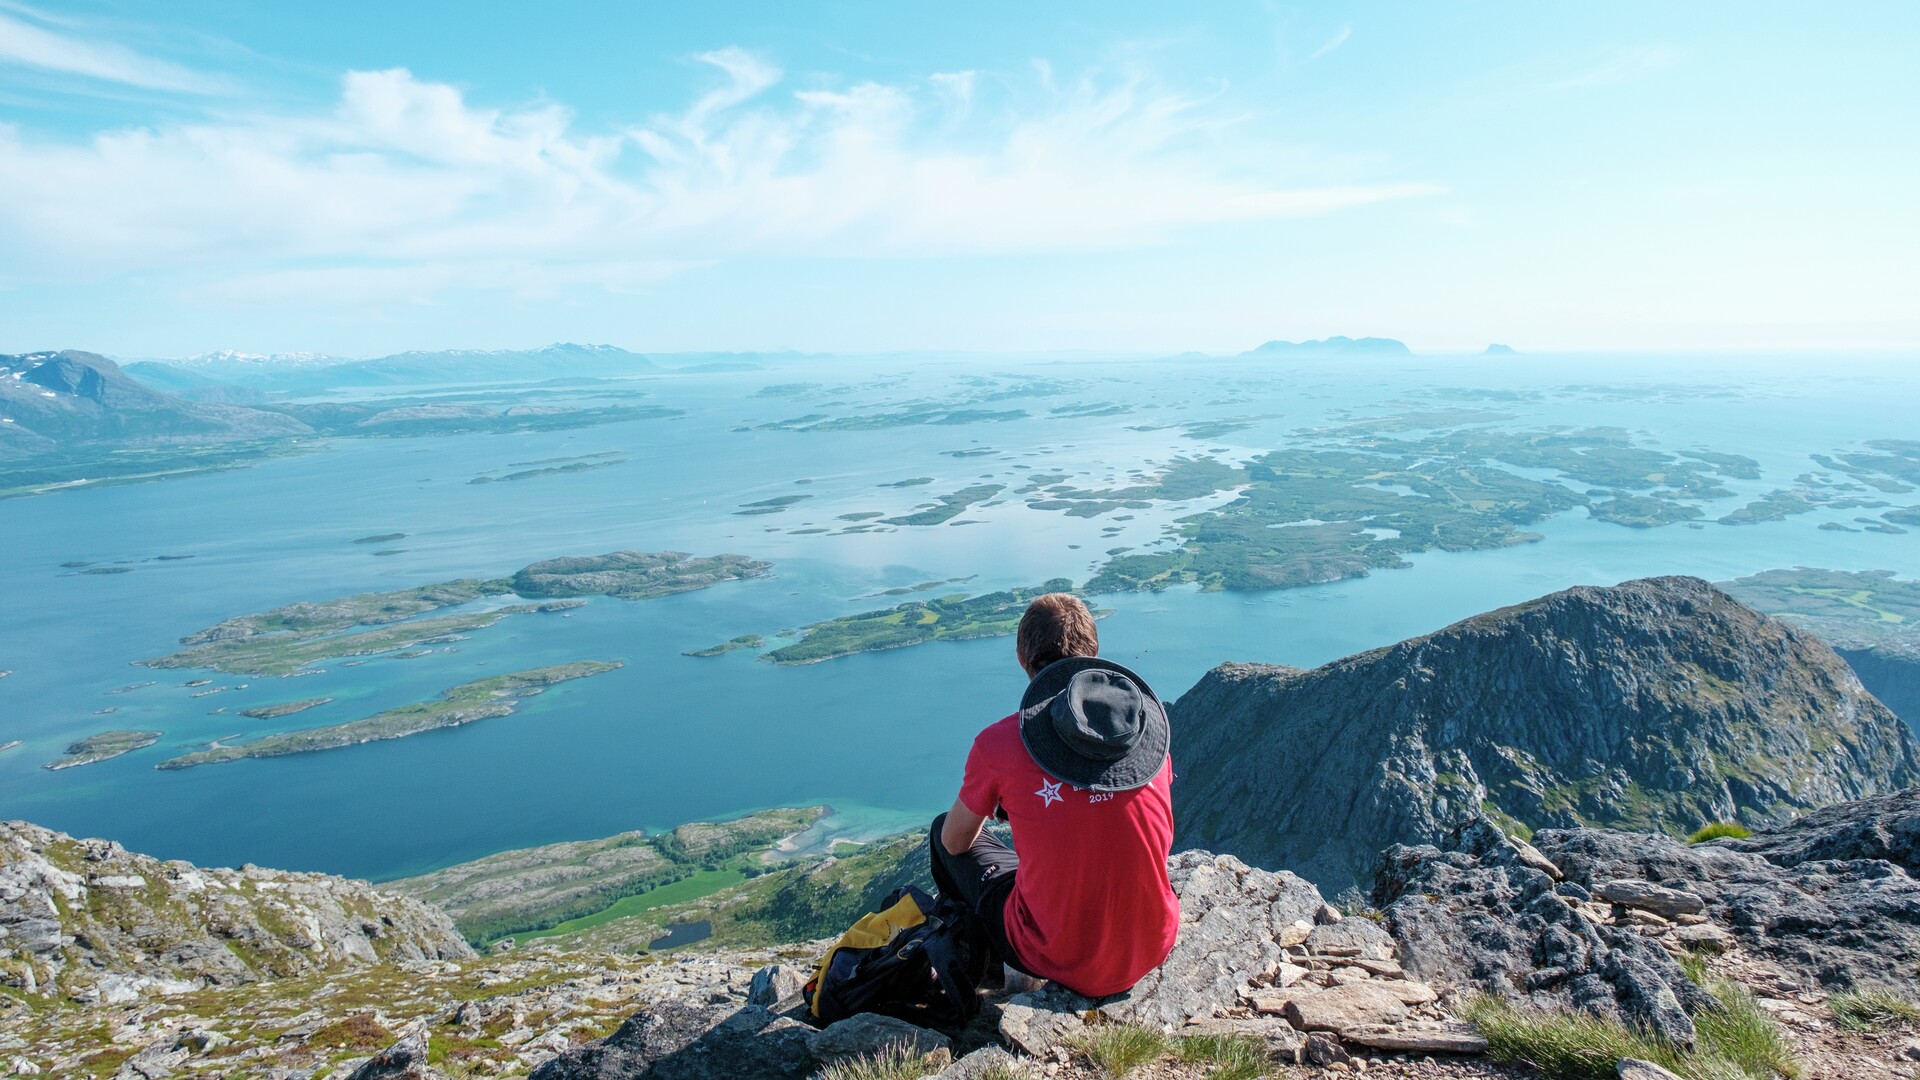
x=962, y=828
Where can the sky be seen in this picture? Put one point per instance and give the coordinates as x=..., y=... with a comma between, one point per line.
x=364, y=178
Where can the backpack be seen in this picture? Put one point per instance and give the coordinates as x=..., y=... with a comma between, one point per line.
x=918, y=959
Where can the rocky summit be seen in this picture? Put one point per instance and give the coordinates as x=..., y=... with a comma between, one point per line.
x=87, y=921
x=1659, y=705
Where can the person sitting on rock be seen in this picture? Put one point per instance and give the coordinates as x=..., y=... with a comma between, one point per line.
x=1082, y=775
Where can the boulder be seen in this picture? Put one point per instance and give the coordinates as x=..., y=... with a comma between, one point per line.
x=866, y=1034
x=1635, y=1069
x=678, y=1041
x=1234, y=924
x=1418, y=1038
x=1647, y=896
x=404, y=1060
x=1341, y=1007
x=980, y=1063
x=1358, y=938
x=1282, y=1039
x=773, y=984
x=1323, y=1049
x=1039, y=1020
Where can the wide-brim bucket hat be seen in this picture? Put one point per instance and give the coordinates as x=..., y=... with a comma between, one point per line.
x=1094, y=724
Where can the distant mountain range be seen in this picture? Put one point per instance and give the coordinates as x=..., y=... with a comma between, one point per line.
x=303, y=372
x=49, y=400
x=1333, y=346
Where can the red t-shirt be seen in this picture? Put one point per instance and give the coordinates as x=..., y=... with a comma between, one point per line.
x=1091, y=908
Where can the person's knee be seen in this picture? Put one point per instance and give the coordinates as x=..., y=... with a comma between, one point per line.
x=939, y=826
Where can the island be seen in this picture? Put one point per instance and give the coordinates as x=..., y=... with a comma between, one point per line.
x=9, y=745
x=774, y=505
x=107, y=744
x=382, y=538
x=287, y=639
x=275, y=712
x=744, y=641
x=1362, y=495
x=950, y=618
x=948, y=508
x=1497, y=349
x=554, y=470
x=479, y=700
x=1333, y=346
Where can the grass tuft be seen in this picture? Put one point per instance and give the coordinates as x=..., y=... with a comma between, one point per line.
x=1865, y=1010
x=896, y=1061
x=1228, y=1057
x=1120, y=1048
x=1737, y=1041
x=1743, y=1034
x=1718, y=830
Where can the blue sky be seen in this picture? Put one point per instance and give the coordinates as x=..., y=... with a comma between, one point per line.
x=363, y=178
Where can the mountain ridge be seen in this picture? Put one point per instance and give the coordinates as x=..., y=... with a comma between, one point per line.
x=1660, y=704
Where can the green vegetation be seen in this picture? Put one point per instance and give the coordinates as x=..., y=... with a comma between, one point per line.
x=549, y=470
x=463, y=704
x=771, y=506
x=744, y=641
x=633, y=575
x=1873, y=1009
x=952, y=618
x=362, y=609
x=1720, y=829
x=107, y=744
x=1735, y=1040
x=275, y=712
x=1227, y=1057
x=692, y=887
x=1372, y=492
x=1118, y=1049
x=948, y=508
x=896, y=1061
x=1848, y=607
x=98, y=467
x=574, y=886
x=286, y=639
x=283, y=654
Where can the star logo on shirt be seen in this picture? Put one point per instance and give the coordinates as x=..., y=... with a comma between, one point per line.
x=1049, y=793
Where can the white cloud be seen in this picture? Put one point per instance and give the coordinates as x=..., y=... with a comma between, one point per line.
x=25, y=44
x=436, y=192
x=1339, y=39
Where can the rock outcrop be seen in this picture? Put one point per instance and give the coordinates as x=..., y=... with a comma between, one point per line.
x=89, y=921
x=1660, y=705
x=1829, y=900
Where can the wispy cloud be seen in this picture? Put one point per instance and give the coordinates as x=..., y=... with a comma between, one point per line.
x=408, y=176
x=1619, y=65
x=33, y=44
x=1337, y=40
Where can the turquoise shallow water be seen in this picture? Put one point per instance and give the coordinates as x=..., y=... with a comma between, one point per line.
x=670, y=738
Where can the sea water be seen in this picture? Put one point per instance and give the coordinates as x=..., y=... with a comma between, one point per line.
x=879, y=736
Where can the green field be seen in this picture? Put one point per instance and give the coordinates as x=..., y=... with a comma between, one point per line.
x=702, y=883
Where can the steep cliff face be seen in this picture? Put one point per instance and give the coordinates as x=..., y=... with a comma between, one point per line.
x=1660, y=704
x=89, y=921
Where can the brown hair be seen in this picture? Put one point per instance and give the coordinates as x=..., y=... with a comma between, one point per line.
x=1055, y=627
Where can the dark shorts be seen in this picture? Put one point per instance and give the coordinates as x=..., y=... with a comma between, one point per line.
x=981, y=877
